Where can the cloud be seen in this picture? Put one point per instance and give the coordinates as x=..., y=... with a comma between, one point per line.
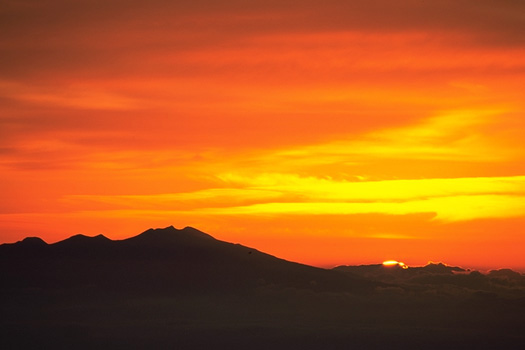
x=447, y=209
x=451, y=135
x=277, y=194
x=283, y=74
x=93, y=38
x=388, y=190
x=186, y=201
x=502, y=18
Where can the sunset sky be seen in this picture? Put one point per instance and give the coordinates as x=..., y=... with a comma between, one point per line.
x=325, y=132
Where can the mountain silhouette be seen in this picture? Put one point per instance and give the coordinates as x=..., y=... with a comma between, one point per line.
x=81, y=240
x=441, y=278
x=161, y=260
x=32, y=242
x=183, y=289
x=396, y=273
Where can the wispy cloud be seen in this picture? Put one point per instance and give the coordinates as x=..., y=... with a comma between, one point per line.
x=445, y=209
x=278, y=194
x=451, y=135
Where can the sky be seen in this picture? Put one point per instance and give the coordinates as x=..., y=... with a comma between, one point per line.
x=328, y=133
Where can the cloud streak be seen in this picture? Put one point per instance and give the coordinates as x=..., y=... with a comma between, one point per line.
x=279, y=194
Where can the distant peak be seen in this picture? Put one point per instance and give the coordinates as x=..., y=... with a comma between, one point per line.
x=160, y=229
x=195, y=232
x=80, y=239
x=172, y=234
x=33, y=241
x=191, y=229
x=506, y=273
x=173, y=228
x=81, y=236
x=440, y=267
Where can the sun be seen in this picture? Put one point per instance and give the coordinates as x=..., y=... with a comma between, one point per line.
x=394, y=263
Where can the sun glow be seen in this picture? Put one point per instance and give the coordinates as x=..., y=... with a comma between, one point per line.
x=394, y=263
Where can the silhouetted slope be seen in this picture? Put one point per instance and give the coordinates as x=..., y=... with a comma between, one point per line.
x=32, y=242
x=183, y=289
x=395, y=273
x=160, y=260
x=80, y=241
x=441, y=278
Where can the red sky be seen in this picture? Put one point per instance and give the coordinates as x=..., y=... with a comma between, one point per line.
x=326, y=133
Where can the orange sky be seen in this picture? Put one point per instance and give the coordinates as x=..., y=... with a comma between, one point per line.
x=334, y=133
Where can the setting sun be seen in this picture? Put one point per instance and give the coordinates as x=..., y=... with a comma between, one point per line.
x=394, y=263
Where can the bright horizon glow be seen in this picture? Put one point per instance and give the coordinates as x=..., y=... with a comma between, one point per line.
x=334, y=133
x=395, y=263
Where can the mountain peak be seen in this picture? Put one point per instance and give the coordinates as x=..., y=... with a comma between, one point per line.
x=170, y=235
x=442, y=268
x=33, y=242
x=82, y=240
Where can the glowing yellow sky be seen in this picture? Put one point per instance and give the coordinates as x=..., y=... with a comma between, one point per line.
x=334, y=133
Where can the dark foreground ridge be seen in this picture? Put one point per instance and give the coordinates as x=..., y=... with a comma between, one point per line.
x=170, y=288
x=161, y=261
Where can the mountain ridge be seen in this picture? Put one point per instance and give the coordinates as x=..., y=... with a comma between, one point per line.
x=188, y=234
x=169, y=288
x=166, y=258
